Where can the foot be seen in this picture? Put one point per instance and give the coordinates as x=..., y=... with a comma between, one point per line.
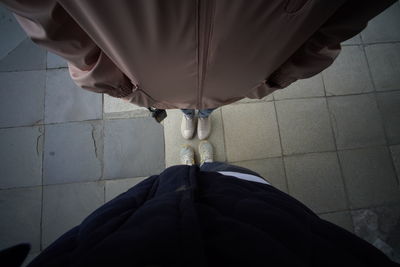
x=204, y=127
x=187, y=155
x=206, y=152
x=187, y=127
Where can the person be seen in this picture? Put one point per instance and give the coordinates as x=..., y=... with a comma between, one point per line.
x=215, y=214
x=186, y=54
x=188, y=124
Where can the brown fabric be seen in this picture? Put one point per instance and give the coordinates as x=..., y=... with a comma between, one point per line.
x=193, y=53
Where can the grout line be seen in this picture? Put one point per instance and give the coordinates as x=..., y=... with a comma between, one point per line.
x=375, y=94
x=280, y=142
x=223, y=134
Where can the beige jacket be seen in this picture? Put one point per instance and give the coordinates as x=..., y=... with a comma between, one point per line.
x=193, y=53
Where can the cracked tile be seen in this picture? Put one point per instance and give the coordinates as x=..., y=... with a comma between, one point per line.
x=65, y=101
x=22, y=95
x=73, y=152
x=21, y=156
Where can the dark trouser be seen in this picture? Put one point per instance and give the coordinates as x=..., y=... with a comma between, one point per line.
x=222, y=166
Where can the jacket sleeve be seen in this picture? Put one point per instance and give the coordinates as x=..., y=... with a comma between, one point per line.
x=50, y=26
x=323, y=47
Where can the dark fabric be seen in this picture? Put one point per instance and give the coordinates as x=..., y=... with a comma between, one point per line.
x=222, y=166
x=187, y=217
x=14, y=256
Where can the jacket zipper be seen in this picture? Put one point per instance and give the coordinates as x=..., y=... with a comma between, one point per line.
x=205, y=13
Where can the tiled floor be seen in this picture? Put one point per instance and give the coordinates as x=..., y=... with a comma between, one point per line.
x=331, y=141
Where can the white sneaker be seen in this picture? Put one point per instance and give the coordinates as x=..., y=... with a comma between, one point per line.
x=206, y=152
x=187, y=127
x=187, y=155
x=204, y=127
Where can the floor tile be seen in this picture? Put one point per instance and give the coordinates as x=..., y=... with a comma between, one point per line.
x=384, y=62
x=65, y=206
x=65, y=101
x=54, y=61
x=315, y=180
x=341, y=218
x=26, y=56
x=304, y=125
x=174, y=139
x=355, y=40
x=251, y=131
x=271, y=169
x=380, y=227
x=254, y=100
x=369, y=177
x=348, y=74
x=72, y=152
x=356, y=121
x=22, y=95
x=118, y=186
x=395, y=151
x=389, y=105
x=9, y=27
x=133, y=148
x=310, y=87
x=384, y=27
x=118, y=108
x=21, y=156
x=20, y=211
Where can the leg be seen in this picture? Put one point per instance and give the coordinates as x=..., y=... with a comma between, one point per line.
x=204, y=125
x=188, y=123
x=204, y=113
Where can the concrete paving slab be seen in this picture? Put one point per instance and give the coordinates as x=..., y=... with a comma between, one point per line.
x=384, y=27
x=22, y=95
x=341, y=218
x=251, y=131
x=118, y=108
x=133, y=148
x=20, y=211
x=72, y=152
x=384, y=62
x=66, y=102
x=26, y=56
x=349, y=73
x=315, y=180
x=356, y=40
x=9, y=27
x=65, y=206
x=271, y=169
x=304, y=126
x=55, y=62
x=389, y=106
x=21, y=156
x=356, y=121
x=174, y=139
x=369, y=177
x=395, y=151
x=311, y=87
